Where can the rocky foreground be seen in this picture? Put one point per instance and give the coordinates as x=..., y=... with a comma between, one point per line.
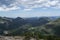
x=14, y=38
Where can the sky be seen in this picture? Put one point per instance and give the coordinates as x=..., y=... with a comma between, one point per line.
x=29, y=8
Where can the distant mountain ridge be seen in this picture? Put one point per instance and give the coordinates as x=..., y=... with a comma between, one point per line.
x=18, y=26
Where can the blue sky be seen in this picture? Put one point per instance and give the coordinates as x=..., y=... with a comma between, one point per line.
x=29, y=8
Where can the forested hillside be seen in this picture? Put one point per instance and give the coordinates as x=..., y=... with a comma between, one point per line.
x=22, y=26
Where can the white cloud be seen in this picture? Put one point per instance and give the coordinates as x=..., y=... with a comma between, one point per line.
x=4, y=8
x=27, y=9
x=39, y=3
x=30, y=4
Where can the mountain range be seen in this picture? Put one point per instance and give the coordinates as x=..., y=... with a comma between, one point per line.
x=20, y=26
